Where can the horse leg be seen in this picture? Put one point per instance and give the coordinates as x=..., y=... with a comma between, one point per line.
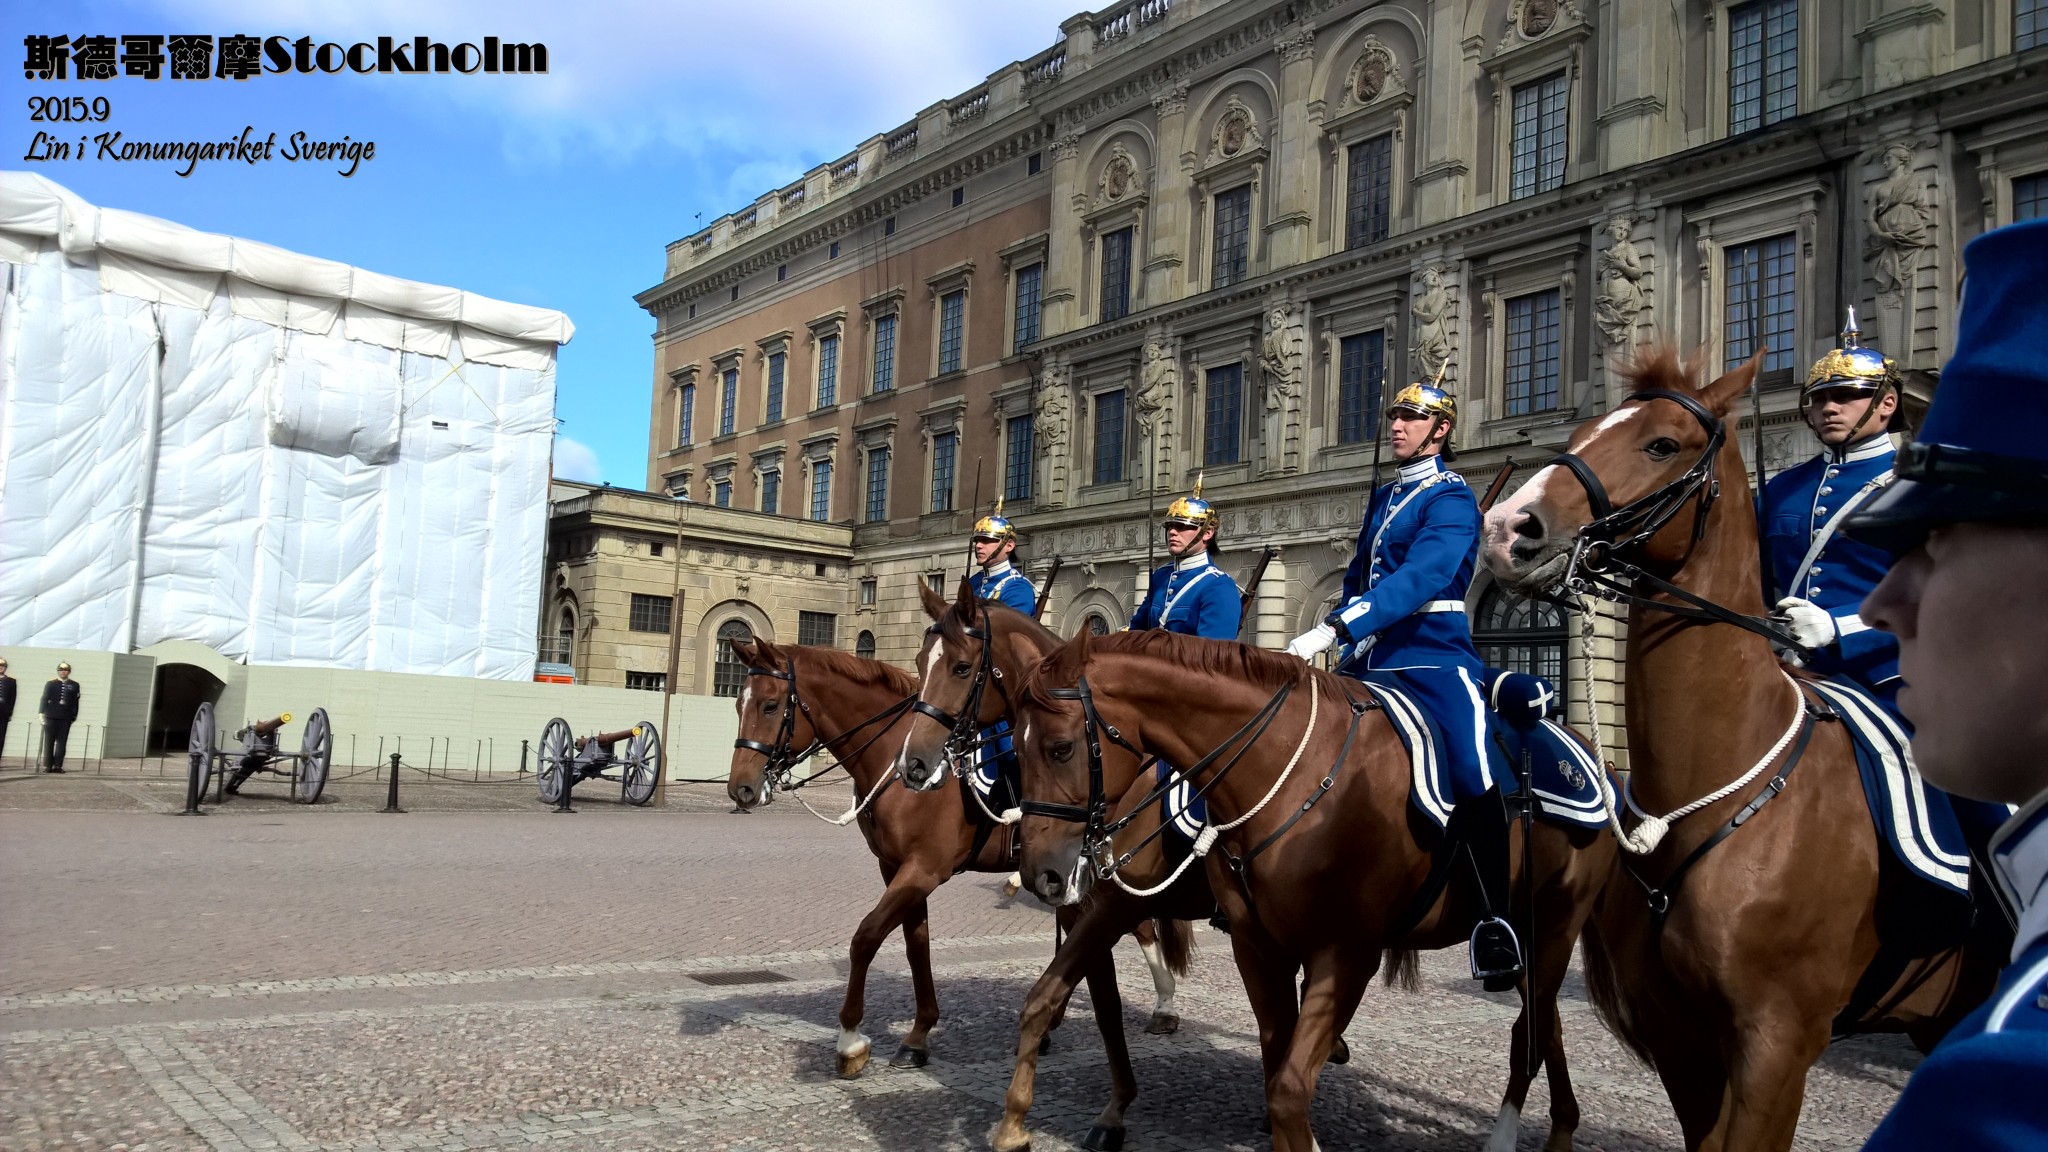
x=1767, y=1080
x=1539, y=1030
x=1330, y=994
x=1269, y=985
x=1165, y=1019
x=907, y=888
x=1107, y=1134
x=1087, y=936
x=916, y=1050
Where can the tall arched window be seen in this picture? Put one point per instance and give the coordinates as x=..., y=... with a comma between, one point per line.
x=864, y=645
x=1521, y=636
x=728, y=672
x=1098, y=625
x=564, y=647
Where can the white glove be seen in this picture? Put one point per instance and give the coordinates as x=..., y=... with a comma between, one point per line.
x=1311, y=643
x=1808, y=622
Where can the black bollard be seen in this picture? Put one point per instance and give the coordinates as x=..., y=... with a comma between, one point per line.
x=562, y=802
x=522, y=757
x=391, y=796
x=192, y=787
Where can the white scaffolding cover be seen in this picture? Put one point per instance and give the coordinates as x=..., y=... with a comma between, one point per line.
x=289, y=460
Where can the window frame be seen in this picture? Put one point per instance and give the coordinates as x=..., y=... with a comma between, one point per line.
x=875, y=490
x=818, y=502
x=1013, y=461
x=1023, y=336
x=1129, y=248
x=650, y=614
x=1096, y=456
x=1783, y=355
x=1223, y=415
x=1372, y=391
x=1541, y=180
x=945, y=455
x=952, y=332
x=1239, y=239
x=1767, y=56
x=1538, y=303
x=686, y=411
x=807, y=629
x=728, y=400
x=724, y=658
x=1353, y=152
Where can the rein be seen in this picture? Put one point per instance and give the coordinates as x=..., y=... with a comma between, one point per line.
x=783, y=758
x=962, y=729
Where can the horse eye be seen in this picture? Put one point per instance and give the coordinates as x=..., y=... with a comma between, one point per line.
x=1061, y=749
x=1662, y=448
x=768, y=707
x=962, y=668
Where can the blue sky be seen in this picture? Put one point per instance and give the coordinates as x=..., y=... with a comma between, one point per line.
x=560, y=190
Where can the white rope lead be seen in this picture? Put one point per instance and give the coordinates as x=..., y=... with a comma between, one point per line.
x=852, y=813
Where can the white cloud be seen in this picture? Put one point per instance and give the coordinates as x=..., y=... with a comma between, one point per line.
x=575, y=461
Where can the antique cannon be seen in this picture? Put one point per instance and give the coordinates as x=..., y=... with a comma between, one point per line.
x=260, y=752
x=566, y=761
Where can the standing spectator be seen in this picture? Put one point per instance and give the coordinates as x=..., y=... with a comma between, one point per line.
x=59, y=709
x=7, y=690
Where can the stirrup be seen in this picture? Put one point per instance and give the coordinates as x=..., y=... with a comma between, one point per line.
x=1496, y=954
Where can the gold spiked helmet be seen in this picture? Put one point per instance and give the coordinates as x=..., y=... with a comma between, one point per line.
x=1192, y=511
x=995, y=526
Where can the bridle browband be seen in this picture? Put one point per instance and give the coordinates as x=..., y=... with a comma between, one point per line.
x=782, y=755
x=963, y=729
x=1595, y=566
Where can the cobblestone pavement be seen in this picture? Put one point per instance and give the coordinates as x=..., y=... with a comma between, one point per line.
x=283, y=977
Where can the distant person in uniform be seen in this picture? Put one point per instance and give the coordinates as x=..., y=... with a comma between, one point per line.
x=1968, y=602
x=59, y=709
x=7, y=692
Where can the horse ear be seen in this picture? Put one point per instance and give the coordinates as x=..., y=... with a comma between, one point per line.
x=966, y=598
x=934, y=604
x=744, y=649
x=1720, y=396
x=1069, y=660
x=765, y=653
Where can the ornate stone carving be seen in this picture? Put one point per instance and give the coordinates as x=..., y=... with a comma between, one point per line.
x=1050, y=427
x=1374, y=75
x=1283, y=356
x=1297, y=45
x=1119, y=175
x=1157, y=406
x=1236, y=132
x=1535, y=19
x=1901, y=221
x=1435, y=324
x=1172, y=99
x=1623, y=276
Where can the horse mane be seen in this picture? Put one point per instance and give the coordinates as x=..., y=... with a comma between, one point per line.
x=1231, y=660
x=856, y=670
x=954, y=622
x=1661, y=365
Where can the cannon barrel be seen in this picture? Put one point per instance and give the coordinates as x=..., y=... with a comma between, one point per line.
x=270, y=727
x=609, y=738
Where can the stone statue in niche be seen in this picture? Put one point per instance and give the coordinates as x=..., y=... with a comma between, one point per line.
x=1434, y=324
x=1901, y=221
x=1283, y=356
x=1622, y=273
x=1376, y=74
x=1534, y=19
x=1049, y=427
x=1156, y=405
x=1237, y=132
x=1119, y=174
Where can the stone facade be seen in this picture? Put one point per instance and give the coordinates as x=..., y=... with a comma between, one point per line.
x=1243, y=208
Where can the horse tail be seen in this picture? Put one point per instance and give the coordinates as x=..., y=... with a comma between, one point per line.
x=1404, y=968
x=1603, y=988
x=1178, y=941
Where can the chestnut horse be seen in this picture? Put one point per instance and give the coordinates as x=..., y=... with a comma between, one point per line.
x=974, y=653
x=796, y=700
x=1321, y=857
x=1730, y=985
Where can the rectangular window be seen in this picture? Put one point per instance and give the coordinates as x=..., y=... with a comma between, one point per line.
x=1368, y=191
x=878, y=485
x=647, y=681
x=649, y=613
x=945, y=446
x=936, y=581
x=771, y=491
x=721, y=493
x=821, y=490
x=728, y=399
x=686, y=410
x=1536, y=149
x=952, y=317
x=1361, y=376
x=1763, y=64
x=1533, y=352
x=1223, y=416
x=885, y=353
x=1116, y=274
x=1017, y=459
x=828, y=371
x=1109, y=437
x=1031, y=163
x=776, y=366
x=1232, y=237
x=1761, y=300
x=2030, y=195
x=816, y=628
x=1030, y=283
x=867, y=593
x=2029, y=24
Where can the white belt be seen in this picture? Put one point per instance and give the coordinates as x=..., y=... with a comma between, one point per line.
x=1442, y=606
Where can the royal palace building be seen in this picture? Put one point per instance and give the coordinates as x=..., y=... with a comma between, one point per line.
x=1207, y=236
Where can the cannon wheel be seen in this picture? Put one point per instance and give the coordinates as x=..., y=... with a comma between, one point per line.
x=642, y=759
x=202, y=743
x=316, y=753
x=557, y=757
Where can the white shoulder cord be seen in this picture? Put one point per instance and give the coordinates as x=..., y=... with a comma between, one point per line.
x=1207, y=839
x=852, y=813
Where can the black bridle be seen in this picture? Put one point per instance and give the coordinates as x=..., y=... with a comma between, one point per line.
x=783, y=757
x=1596, y=566
x=963, y=730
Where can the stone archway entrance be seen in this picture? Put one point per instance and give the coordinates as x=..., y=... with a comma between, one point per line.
x=179, y=690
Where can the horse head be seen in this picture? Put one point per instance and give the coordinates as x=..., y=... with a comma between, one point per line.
x=770, y=727
x=1641, y=480
x=952, y=672
x=1061, y=784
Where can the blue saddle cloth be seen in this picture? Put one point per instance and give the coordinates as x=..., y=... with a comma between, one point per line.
x=1185, y=812
x=1917, y=822
x=1562, y=772
x=996, y=776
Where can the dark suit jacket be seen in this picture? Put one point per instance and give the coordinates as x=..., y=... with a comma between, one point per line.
x=60, y=700
x=8, y=687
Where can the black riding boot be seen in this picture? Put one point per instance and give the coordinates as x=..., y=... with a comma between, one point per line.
x=1496, y=951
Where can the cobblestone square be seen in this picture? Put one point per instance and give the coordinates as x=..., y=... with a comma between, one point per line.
x=490, y=975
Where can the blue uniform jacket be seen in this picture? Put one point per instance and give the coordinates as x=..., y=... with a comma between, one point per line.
x=1407, y=580
x=1192, y=599
x=1798, y=504
x=1982, y=1086
x=1006, y=585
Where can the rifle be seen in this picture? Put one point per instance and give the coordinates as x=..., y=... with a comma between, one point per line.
x=1038, y=605
x=1251, y=589
x=1500, y=483
x=973, y=508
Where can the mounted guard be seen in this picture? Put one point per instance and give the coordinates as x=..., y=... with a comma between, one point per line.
x=995, y=540
x=1401, y=622
x=1189, y=594
x=1818, y=575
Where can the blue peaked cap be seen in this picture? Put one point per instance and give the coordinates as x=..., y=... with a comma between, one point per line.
x=1980, y=455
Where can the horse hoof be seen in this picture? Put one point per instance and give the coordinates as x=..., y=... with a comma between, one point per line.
x=1162, y=1024
x=908, y=1057
x=1018, y=1143
x=1103, y=1138
x=1045, y=1044
x=1340, y=1052
x=851, y=1064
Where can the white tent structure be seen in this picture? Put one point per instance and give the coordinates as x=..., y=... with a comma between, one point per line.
x=289, y=460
